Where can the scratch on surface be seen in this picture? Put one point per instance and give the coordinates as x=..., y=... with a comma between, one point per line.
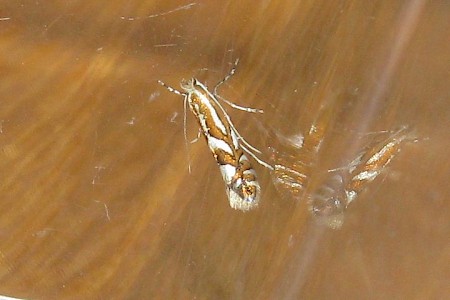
x=106, y=209
x=5, y=18
x=165, y=45
x=44, y=232
x=174, y=116
x=107, y=212
x=153, y=96
x=97, y=174
x=132, y=121
x=1, y=125
x=47, y=27
x=184, y=7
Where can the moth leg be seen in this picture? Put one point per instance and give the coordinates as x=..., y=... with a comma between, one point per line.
x=229, y=75
x=235, y=106
x=260, y=161
x=195, y=140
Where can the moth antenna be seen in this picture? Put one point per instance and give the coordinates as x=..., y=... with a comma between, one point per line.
x=229, y=75
x=185, y=135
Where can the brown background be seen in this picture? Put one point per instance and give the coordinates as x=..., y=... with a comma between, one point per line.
x=95, y=196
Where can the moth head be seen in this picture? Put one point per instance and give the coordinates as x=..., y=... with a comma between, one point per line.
x=243, y=194
x=328, y=203
x=328, y=211
x=188, y=85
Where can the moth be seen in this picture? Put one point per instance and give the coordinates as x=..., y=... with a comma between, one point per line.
x=226, y=144
x=294, y=163
x=339, y=187
x=344, y=185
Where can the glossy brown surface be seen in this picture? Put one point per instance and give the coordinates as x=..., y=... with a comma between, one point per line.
x=96, y=201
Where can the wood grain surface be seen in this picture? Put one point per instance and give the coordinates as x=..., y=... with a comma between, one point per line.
x=96, y=201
